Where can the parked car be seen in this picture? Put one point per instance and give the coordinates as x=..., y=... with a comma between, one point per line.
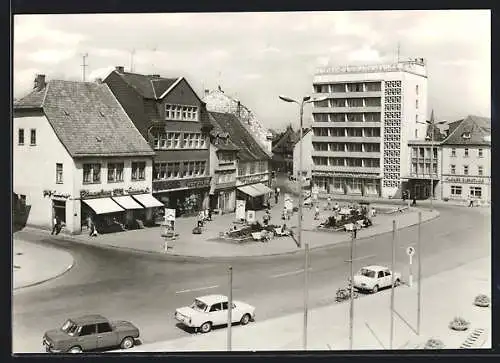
x=373, y=278
x=211, y=310
x=88, y=333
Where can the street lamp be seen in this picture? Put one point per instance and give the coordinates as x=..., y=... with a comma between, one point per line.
x=305, y=99
x=432, y=124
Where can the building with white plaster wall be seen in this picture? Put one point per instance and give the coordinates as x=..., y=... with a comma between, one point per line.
x=78, y=155
x=360, y=133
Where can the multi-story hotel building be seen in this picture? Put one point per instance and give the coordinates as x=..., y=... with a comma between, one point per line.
x=360, y=132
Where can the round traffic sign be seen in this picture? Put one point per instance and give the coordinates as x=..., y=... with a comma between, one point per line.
x=410, y=251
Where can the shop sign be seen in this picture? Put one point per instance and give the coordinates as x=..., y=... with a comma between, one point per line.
x=463, y=180
x=243, y=180
x=84, y=193
x=240, y=209
x=178, y=184
x=250, y=216
x=55, y=194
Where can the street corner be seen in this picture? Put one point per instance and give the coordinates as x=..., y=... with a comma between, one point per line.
x=34, y=264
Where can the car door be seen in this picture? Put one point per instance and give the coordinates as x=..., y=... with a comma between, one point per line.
x=388, y=278
x=235, y=313
x=217, y=314
x=87, y=338
x=106, y=337
x=380, y=279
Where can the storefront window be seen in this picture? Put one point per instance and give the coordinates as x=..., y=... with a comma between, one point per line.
x=475, y=192
x=456, y=190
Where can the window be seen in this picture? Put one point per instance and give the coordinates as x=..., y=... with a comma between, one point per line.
x=20, y=137
x=87, y=330
x=475, y=192
x=466, y=152
x=453, y=152
x=353, y=132
x=337, y=102
x=372, y=102
x=323, y=103
x=319, y=160
x=115, y=172
x=59, y=173
x=139, y=171
x=338, y=87
x=337, y=117
x=183, y=113
x=33, y=137
x=354, y=162
x=355, y=87
x=466, y=170
x=320, y=146
x=355, y=117
x=104, y=328
x=434, y=153
x=372, y=117
x=421, y=152
x=216, y=307
x=413, y=152
x=321, y=117
x=416, y=104
x=372, y=86
x=242, y=168
x=480, y=153
x=91, y=173
x=456, y=190
x=414, y=168
x=380, y=274
x=387, y=273
x=176, y=143
x=452, y=169
x=355, y=147
x=160, y=171
x=173, y=170
x=355, y=102
x=336, y=161
x=480, y=170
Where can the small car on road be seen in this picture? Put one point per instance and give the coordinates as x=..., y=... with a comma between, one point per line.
x=90, y=332
x=373, y=278
x=212, y=310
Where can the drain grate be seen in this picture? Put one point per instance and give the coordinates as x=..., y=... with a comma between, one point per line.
x=475, y=339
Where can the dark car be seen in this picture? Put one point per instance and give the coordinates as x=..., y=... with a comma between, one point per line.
x=90, y=332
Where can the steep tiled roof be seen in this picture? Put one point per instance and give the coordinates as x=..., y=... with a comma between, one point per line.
x=219, y=131
x=34, y=99
x=89, y=121
x=479, y=129
x=250, y=149
x=148, y=86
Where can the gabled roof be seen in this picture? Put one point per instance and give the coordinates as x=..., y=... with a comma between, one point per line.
x=148, y=86
x=34, y=99
x=250, y=149
x=88, y=119
x=473, y=130
x=219, y=132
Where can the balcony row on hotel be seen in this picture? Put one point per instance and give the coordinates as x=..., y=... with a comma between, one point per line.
x=347, y=117
x=354, y=87
x=116, y=153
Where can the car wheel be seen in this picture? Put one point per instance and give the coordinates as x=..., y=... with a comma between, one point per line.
x=375, y=289
x=206, y=327
x=245, y=319
x=75, y=350
x=127, y=343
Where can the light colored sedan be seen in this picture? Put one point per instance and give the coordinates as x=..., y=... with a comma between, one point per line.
x=373, y=278
x=212, y=310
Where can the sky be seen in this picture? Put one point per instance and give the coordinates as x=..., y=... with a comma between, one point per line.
x=257, y=56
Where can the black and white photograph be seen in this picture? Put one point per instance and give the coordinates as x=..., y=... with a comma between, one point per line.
x=251, y=181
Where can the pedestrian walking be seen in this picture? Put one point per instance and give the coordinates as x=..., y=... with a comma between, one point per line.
x=329, y=203
x=55, y=225
x=471, y=202
x=201, y=217
x=316, y=213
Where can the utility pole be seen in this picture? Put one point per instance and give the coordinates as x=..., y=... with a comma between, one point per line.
x=419, y=257
x=84, y=65
x=432, y=153
x=351, y=308
x=230, y=310
x=392, y=276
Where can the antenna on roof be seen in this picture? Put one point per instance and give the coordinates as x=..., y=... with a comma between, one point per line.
x=399, y=49
x=84, y=56
x=132, y=52
x=153, y=66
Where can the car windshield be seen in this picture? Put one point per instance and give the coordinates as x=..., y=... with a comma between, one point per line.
x=367, y=273
x=199, y=305
x=69, y=327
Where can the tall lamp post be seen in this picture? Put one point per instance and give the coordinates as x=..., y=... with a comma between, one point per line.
x=305, y=99
x=432, y=123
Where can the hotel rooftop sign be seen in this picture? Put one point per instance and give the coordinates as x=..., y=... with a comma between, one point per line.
x=415, y=66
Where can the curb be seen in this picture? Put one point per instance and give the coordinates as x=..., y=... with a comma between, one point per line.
x=179, y=257
x=48, y=279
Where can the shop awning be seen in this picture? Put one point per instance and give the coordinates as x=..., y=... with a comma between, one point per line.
x=148, y=201
x=262, y=188
x=127, y=202
x=249, y=190
x=103, y=205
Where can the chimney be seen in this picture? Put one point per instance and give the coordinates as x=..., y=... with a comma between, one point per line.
x=98, y=80
x=39, y=82
x=207, y=91
x=120, y=69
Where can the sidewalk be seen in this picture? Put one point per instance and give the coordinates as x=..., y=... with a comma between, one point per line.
x=444, y=296
x=210, y=245
x=34, y=264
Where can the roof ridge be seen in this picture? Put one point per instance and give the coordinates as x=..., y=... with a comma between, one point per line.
x=45, y=95
x=455, y=130
x=154, y=91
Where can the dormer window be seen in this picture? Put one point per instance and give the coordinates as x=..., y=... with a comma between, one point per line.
x=466, y=135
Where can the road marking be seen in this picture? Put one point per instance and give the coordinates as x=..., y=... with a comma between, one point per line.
x=290, y=273
x=197, y=289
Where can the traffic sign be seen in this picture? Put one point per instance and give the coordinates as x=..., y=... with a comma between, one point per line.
x=410, y=251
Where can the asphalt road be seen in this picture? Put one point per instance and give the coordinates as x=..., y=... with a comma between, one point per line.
x=146, y=289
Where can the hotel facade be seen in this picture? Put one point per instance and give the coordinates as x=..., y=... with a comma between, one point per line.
x=361, y=131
